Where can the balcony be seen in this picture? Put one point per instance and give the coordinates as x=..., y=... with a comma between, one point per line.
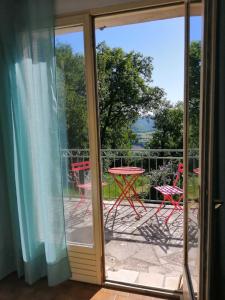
x=136, y=251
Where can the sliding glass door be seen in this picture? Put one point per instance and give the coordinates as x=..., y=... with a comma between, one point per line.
x=192, y=158
x=77, y=81
x=76, y=92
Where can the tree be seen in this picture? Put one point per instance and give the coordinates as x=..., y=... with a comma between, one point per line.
x=169, y=127
x=71, y=87
x=194, y=93
x=169, y=118
x=124, y=92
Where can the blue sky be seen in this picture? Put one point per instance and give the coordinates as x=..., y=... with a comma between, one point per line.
x=163, y=40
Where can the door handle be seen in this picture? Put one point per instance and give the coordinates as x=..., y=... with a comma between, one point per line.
x=217, y=203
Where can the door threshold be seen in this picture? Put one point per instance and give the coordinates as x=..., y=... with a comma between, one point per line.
x=150, y=291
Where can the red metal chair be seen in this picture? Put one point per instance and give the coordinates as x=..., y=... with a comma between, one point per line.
x=81, y=173
x=170, y=191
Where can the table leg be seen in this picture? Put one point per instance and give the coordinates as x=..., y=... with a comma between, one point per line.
x=134, y=191
x=124, y=190
x=121, y=196
x=128, y=186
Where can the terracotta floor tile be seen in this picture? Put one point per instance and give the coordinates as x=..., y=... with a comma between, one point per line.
x=103, y=296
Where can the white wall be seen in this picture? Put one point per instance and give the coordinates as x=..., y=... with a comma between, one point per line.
x=69, y=6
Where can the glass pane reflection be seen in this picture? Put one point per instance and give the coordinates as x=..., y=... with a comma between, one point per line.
x=75, y=160
x=193, y=180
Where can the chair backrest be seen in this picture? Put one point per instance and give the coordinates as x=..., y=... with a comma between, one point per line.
x=80, y=166
x=77, y=167
x=178, y=174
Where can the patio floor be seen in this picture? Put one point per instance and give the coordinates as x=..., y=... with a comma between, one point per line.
x=145, y=251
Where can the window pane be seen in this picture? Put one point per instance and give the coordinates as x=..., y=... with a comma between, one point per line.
x=76, y=166
x=193, y=182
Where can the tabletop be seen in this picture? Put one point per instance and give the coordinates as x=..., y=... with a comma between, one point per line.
x=126, y=170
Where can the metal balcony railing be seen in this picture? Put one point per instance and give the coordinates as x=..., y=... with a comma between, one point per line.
x=160, y=167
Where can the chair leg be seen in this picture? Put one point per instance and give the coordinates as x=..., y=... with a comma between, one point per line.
x=167, y=219
x=81, y=201
x=104, y=206
x=176, y=205
x=162, y=203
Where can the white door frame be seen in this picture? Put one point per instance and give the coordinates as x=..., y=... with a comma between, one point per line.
x=87, y=261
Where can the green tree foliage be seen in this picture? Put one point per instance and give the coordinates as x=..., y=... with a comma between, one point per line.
x=194, y=93
x=169, y=127
x=169, y=118
x=71, y=87
x=124, y=92
x=123, y=88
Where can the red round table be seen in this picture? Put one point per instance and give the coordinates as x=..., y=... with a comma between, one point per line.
x=129, y=176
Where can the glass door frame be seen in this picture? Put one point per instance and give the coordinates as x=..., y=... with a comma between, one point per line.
x=87, y=20
x=207, y=100
x=94, y=272
x=101, y=14
x=187, y=284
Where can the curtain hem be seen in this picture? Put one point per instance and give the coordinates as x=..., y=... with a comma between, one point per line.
x=56, y=273
x=59, y=272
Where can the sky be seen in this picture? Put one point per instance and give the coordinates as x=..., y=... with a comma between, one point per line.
x=163, y=40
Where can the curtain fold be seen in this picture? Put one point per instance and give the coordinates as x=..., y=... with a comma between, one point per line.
x=32, y=229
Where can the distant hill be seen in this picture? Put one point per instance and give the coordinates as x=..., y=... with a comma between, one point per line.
x=143, y=124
